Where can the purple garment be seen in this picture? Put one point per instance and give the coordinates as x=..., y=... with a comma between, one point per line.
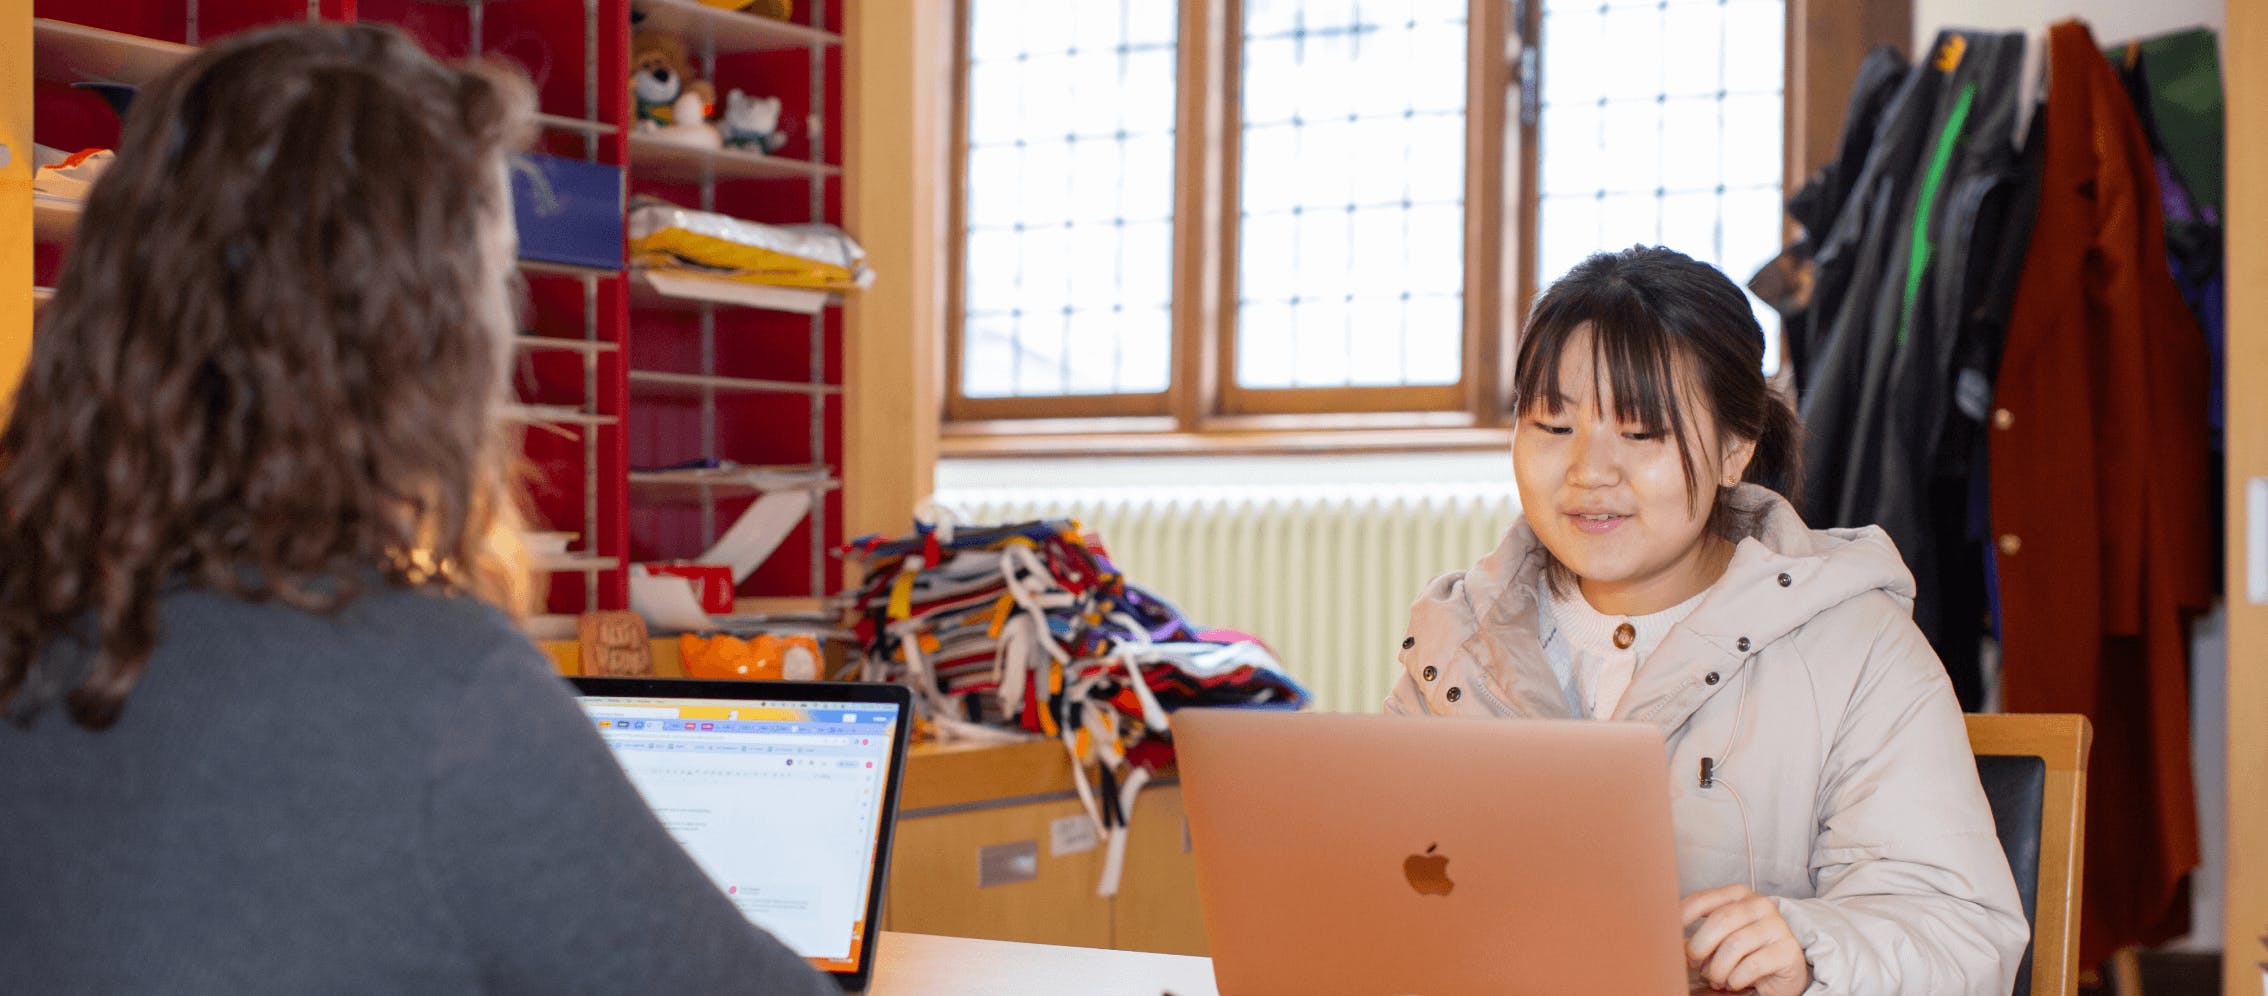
x=2197, y=272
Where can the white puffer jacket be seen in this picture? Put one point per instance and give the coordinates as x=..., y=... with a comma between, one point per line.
x=1841, y=765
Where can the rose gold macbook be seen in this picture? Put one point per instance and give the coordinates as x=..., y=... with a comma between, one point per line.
x=1384, y=855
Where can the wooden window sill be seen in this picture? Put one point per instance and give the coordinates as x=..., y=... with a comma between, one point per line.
x=1245, y=435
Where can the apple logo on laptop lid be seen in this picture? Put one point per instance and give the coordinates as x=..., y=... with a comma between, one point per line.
x=1429, y=872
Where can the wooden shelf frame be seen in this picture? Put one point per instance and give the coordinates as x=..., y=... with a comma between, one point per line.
x=683, y=292
x=546, y=268
x=576, y=564
x=560, y=122
x=540, y=415
x=73, y=53
x=667, y=383
x=682, y=486
x=543, y=343
x=728, y=32
x=653, y=158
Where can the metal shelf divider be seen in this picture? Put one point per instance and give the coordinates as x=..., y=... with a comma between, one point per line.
x=817, y=517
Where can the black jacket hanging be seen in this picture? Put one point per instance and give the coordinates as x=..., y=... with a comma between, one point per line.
x=1881, y=78
x=1897, y=357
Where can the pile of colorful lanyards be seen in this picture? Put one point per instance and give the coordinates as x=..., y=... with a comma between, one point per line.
x=1009, y=632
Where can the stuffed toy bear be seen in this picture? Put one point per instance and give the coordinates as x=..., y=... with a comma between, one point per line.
x=660, y=73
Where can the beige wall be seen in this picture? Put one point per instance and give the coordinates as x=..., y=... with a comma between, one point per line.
x=2112, y=20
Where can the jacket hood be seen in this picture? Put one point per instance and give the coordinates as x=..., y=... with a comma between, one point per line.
x=1782, y=575
x=1825, y=568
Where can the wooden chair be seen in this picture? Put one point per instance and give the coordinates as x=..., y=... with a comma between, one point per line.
x=2034, y=769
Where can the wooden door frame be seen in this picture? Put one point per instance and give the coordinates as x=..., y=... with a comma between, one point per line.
x=2245, y=920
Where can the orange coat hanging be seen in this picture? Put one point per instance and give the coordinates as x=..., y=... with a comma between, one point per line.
x=2100, y=484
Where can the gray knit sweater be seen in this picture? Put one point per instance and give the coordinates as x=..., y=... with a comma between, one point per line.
x=400, y=798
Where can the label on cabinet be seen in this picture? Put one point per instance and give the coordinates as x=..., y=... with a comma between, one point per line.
x=1074, y=834
x=1007, y=864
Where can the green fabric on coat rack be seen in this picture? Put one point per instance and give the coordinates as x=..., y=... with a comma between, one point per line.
x=1917, y=263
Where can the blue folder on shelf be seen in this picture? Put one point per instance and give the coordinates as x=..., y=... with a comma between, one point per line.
x=568, y=211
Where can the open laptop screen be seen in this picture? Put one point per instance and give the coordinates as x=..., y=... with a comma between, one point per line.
x=784, y=803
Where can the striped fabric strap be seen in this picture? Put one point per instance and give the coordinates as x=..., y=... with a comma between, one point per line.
x=1114, y=859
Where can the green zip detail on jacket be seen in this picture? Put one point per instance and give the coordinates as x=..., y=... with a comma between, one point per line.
x=1938, y=161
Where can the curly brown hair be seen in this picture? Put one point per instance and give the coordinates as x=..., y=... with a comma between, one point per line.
x=274, y=360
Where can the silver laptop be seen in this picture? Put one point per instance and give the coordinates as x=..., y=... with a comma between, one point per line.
x=1378, y=854
x=719, y=760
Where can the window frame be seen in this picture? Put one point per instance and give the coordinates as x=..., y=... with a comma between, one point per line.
x=1488, y=72
x=1202, y=409
x=1077, y=410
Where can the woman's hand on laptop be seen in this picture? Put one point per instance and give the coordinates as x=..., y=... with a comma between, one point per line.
x=1741, y=942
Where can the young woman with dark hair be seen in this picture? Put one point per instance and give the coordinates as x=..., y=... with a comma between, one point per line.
x=1831, y=832
x=269, y=724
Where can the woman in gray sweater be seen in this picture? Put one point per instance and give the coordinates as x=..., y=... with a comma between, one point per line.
x=269, y=727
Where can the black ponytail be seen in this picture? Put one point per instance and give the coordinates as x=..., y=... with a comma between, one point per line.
x=1778, y=462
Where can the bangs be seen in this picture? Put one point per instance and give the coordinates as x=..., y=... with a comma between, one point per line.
x=1633, y=359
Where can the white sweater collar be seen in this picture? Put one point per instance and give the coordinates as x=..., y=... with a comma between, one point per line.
x=1591, y=632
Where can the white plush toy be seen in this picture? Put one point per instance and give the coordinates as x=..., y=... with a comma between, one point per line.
x=752, y=123
x=687, y=128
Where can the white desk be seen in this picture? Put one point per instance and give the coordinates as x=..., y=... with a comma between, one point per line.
x=927, y=965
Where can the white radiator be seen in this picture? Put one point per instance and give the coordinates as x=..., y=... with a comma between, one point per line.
x=1323, y=573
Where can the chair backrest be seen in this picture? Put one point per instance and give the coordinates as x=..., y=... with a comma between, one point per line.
x=2016, y=786
x=2034, y=770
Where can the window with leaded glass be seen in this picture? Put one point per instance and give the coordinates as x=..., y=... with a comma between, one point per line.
x=1352, y=194
x=1068, y=198
x=1231, y=216
x=1661, y=124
